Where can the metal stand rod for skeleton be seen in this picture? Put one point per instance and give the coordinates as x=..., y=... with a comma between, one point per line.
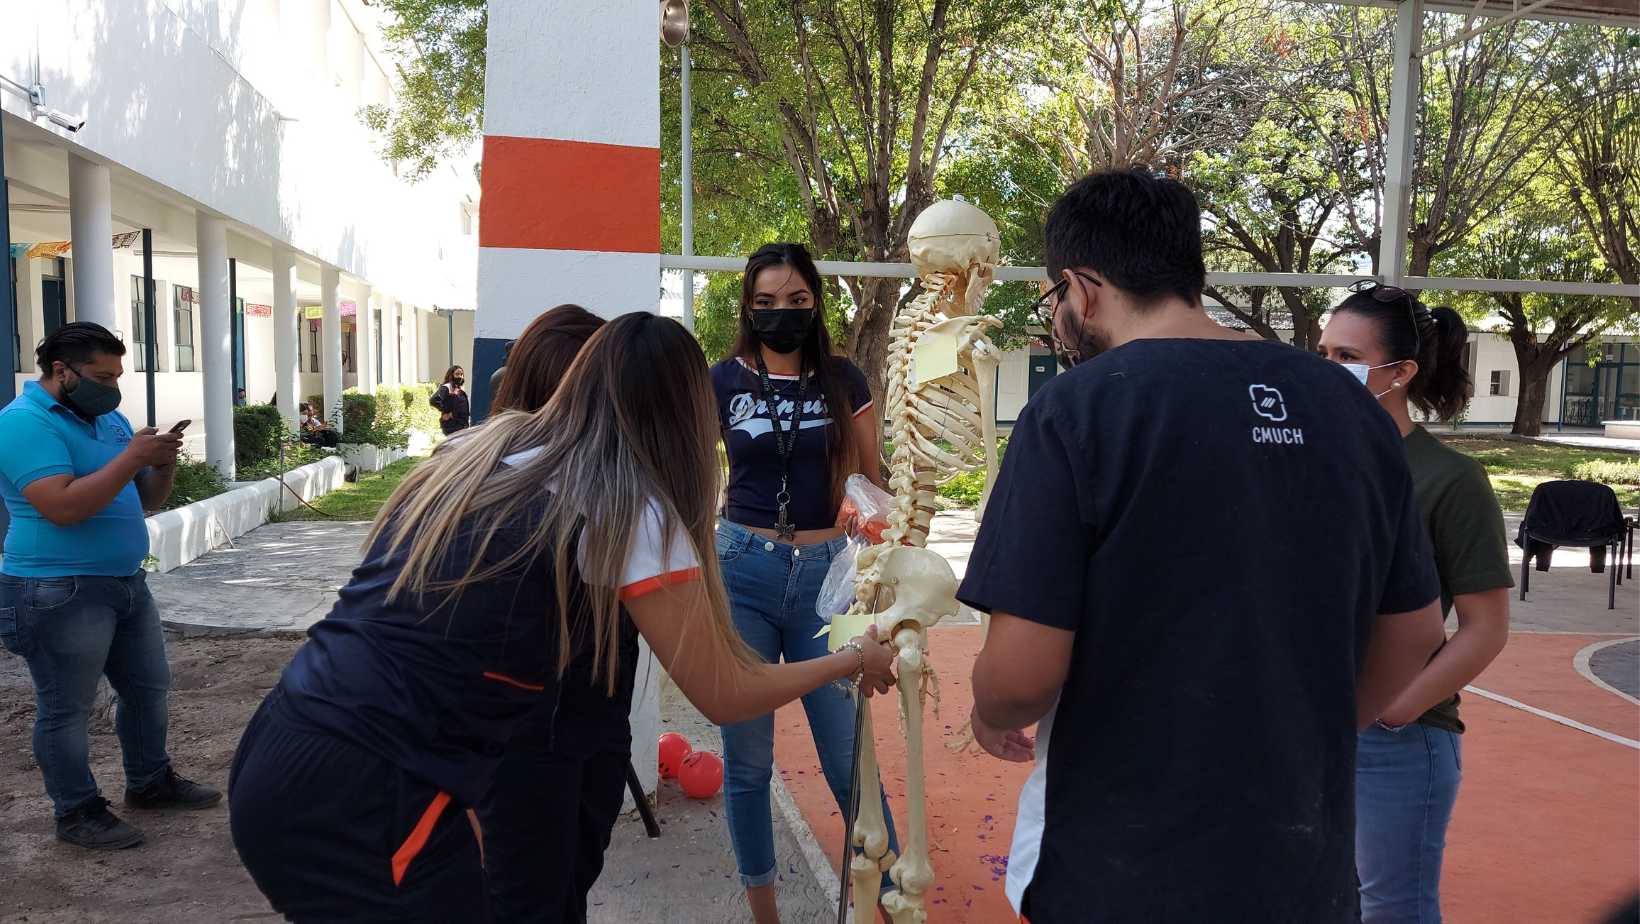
x=853, y=809
x=650, y=826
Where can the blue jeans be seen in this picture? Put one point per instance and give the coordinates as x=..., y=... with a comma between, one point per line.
x=772, y=590
x=1406, y=782
x=72, y=631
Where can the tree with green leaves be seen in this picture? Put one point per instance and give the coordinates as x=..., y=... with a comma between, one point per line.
x=860, y=105
x=1598, y=162
x=1532, y=238
x=438, y=47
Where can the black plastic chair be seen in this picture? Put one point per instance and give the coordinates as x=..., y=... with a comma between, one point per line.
x=1582, y=514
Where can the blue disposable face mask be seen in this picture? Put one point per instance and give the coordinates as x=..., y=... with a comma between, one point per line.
x=1360, y=371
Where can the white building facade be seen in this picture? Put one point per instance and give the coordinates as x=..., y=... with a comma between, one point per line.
x=289, y=260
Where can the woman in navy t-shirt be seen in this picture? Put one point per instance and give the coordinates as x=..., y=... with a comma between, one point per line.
x=797, y=422
x=512, y=550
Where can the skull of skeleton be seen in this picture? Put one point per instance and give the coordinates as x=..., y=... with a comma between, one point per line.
x=954, y=237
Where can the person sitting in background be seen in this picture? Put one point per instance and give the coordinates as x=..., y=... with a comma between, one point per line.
x=316, y=431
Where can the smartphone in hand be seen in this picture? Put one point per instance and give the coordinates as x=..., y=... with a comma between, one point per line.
x=180, y=426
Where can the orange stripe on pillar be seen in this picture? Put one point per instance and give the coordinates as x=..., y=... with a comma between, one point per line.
x=548, y=194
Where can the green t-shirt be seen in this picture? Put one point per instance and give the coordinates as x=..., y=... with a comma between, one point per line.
x=1466, y=529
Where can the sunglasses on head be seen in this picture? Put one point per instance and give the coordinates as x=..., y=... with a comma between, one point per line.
x=1388, y=295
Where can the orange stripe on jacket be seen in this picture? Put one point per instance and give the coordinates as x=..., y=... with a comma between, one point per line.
x=650, y=585
x=546, y=194
x=513, y=682
x=418, y=836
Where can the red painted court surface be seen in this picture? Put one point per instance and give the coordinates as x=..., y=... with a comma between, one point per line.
x=1546, y=830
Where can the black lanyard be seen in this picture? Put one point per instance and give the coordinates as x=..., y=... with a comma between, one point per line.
x=784, y=443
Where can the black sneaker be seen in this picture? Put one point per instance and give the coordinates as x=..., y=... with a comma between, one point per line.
x=92, y=826
x=172, y=791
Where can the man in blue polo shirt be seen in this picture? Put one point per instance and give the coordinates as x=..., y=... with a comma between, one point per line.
x=74, y=600
x=1205, y=572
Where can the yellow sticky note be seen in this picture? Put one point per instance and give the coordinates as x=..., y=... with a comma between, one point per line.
x=845, y=627
x=935, y=355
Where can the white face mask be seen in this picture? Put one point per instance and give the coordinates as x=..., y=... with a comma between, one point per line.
x=1360, y=370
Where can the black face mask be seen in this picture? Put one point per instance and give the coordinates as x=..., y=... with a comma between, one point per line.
x=457, y=380
x=782, y=329
x=90, y=398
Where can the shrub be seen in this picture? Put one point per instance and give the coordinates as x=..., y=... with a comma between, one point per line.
x=965, y=489
x=1608, y=471
x=195, y=481
x=419, y=415
x=257, y=429
x=377, y=420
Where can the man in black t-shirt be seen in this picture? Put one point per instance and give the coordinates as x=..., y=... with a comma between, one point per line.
x=1205, y=571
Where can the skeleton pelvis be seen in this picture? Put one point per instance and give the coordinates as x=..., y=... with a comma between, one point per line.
x=922, y=586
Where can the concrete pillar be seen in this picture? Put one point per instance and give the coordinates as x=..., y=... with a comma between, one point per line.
x=571, y=198
x=390, y=341
x=215, y=350
x=424, y=359
x=91, y=225
x=286, y=346
x=330, y=281
x=364, y=343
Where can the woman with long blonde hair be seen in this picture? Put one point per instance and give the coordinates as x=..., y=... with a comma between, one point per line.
x=512, y=548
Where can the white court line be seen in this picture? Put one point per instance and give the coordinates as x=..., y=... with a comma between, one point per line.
x=1553, y=717
x=819, y=865
x=1581, y=663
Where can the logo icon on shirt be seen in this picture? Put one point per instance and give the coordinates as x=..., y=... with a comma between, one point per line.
x=1268, y=403
x=749, y=414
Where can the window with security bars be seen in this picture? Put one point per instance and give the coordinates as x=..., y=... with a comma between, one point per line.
x=1500, y=383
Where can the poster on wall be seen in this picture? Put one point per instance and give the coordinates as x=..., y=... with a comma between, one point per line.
x=253, y=310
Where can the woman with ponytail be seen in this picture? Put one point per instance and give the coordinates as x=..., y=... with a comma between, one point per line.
x=1408, y=763
x=514, y=551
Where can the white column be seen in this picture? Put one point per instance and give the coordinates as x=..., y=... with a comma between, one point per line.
x=364, y=343
x=1403, y=122
x=286, y=347
x=424, y=359
x=31, y=317
x=215, y=350
x=390, y=341
x=330, y=281
x=91, y=226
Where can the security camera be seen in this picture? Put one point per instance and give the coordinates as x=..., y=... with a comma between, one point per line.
x=61, y=119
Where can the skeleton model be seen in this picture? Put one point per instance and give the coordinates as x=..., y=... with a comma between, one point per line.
x=940, y=365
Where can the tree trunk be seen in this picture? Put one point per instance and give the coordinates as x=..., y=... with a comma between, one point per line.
x=1535, y=363
x=868, y=337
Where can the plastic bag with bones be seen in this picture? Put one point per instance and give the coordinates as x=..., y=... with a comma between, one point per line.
x=934, y=393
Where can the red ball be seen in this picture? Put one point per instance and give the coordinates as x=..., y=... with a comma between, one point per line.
x=701, y=775
x=673, y=749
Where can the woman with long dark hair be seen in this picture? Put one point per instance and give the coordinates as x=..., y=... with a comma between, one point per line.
x=1408, y=764
x=560, y=784
x=509, y=554
x=797, y=422
x=451, y=399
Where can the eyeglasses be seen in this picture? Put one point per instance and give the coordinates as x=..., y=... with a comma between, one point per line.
x=1046, y=306
x=1390, y=294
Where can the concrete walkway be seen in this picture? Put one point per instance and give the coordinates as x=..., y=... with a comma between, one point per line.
x=277, y=579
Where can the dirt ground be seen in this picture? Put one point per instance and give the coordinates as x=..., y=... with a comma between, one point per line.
x=187, y=871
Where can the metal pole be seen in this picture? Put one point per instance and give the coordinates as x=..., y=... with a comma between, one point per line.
x=234, y=346
x=450, y=318
x=1403, y=122
x=688, y=197
x=1565, y=367
x=8, y=308
x=150, y=349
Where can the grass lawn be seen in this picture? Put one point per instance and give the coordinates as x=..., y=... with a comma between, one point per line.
x=1516, y=466
x=361, y=499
